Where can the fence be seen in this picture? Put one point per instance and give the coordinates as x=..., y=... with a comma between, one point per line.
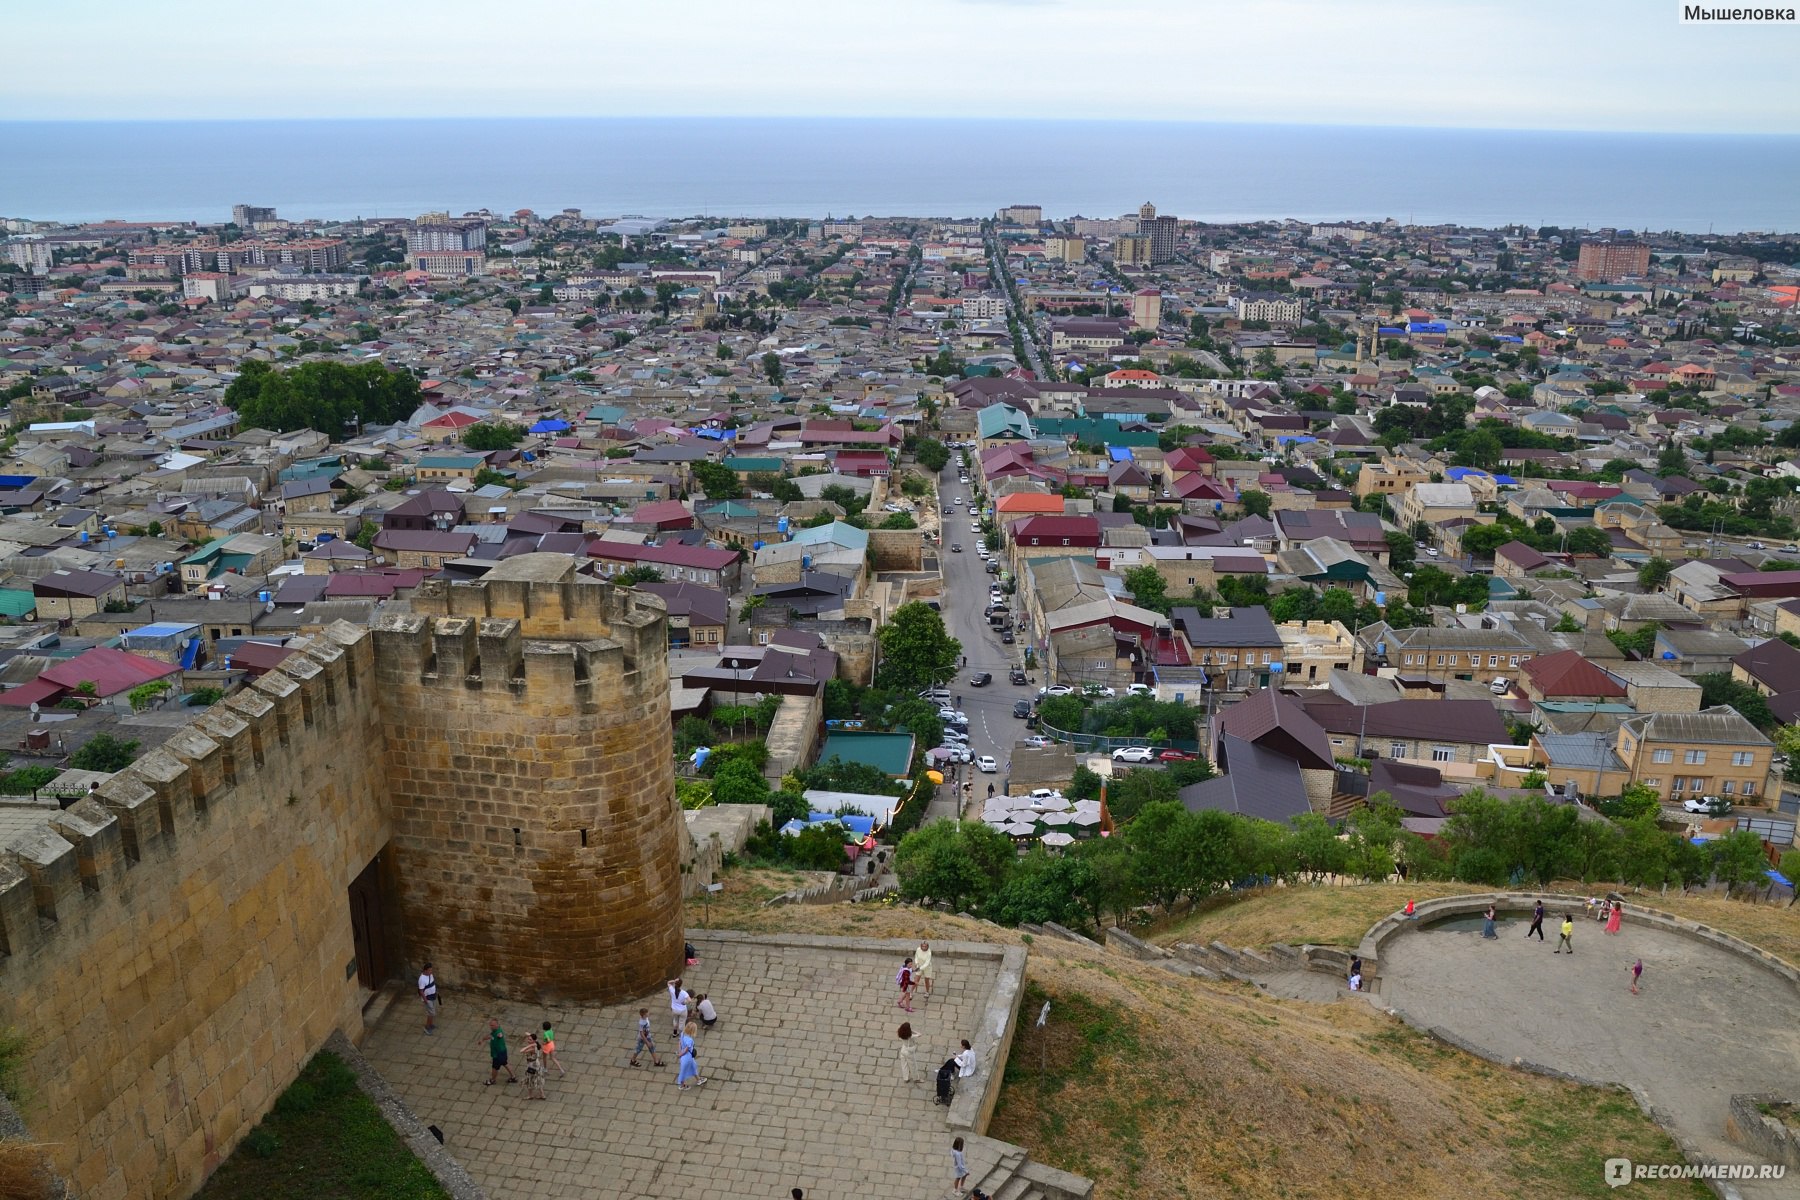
x=1102, y=742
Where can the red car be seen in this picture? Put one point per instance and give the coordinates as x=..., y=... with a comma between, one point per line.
x=1175, y=756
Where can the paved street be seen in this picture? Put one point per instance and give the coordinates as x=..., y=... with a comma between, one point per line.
x=1706, y=1024
x=803, y=1084
x=992, y=727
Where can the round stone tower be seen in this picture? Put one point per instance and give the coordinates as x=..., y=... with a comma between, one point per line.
x=537, y=838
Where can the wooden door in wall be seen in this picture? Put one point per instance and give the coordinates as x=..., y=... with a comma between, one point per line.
x=366, y=930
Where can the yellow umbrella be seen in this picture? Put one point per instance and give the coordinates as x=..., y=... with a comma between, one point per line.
x=935, y=776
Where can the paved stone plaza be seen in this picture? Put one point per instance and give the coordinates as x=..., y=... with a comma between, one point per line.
x=803, y=1084
x=1706, y=1023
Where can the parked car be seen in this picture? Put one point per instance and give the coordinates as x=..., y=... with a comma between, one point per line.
x=1015, y=676
x=986, y=764
x=938, y=696
x=993, y=568
x=981, y=679
x=1500, y=686
x=1021, y=709
x=1038, y=740
x=974, y=527
x=955, y=737
x=961, y=753
x=1175, y=756
x=951, y=716
x=1711, y=806
x=1056, y=689
x=1140, y=689
x=1134, y=754
x=1098, y=689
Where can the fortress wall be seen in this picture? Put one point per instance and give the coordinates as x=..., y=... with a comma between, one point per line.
x=539, y=843
x=178, y=946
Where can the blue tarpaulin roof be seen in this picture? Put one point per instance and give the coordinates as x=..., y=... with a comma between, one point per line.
x=1120, y=453
x=1778, y=877
x=550, y=425
x=1427, y=327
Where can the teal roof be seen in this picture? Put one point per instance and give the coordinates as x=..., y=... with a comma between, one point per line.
x=728, y=509
x=606, y=414
x=1094, y=429
x=17, y=604
x=1002, y=420
x=889, y=753
x=452, y=462
x=771, y=465
x=837, y=533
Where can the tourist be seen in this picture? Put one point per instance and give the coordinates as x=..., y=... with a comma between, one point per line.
x=1356, y=981
x=1355, y=968
x=1537, y=922
x=548, y=1038
x=644, y=1040
x=429, y=994
x=922, y=966
x=908, y=983
x=1567, y=938
x=1409, y=910
x=1613, y=917
x=534, y=1068
x=909, y=1069
x=689, y=1074
x=679, y=999
x=497, y=1053
x=958, y=1164
x=965, y=1060
x=1487, y=923
x=709, y=1016
x=1637, y=972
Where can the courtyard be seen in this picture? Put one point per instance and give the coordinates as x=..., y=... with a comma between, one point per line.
x=803, y=1081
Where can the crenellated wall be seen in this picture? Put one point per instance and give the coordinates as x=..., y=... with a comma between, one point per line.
x=178, y=945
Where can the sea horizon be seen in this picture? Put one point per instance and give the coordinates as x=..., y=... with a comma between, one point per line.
x=343, y=168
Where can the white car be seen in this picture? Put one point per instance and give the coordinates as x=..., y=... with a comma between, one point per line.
x=1037, y=740
x=952, y=716
x=960, y=502
x=1140, y=689
x=1095, y=689
x=986, y=764
x=938, y=696
x=1134, y=754
x=957, y=752
x=973, y=511
x=974, y=527
x=1056, y=689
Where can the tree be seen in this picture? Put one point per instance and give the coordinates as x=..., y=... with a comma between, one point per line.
x=1718, y=688
x=512, y=305
x=1256, y=503
x=771, y=365
x=1402, y=552
x=492, y=435
x=1336, y=604
x=639, y=574
x=104, y=752
x=932, y=454
x=739, y=782
x=717, y=480
x=1148, y=588
x=329, y=397
x=1590, y=540
x=1566, y=624
x=899, y=520
x=1637, y=800
x=963, y=863
x=915, y=651
x=666, y=294
x=1655, y=573
x=1738, y=859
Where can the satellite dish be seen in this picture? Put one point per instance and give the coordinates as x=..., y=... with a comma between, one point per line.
x=34, y=708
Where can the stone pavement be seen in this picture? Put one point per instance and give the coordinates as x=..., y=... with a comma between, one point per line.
x=803, y=1084
x=1706, y=1023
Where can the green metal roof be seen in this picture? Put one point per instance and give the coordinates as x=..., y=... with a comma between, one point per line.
x=889, y=753
x=17, y=604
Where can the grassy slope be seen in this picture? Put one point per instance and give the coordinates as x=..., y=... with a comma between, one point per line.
x=1158, y=1086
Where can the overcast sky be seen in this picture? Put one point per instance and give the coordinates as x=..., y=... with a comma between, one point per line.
x=1531, y=64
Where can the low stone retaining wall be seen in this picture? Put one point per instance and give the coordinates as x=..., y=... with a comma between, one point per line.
x=418, y=1138
x=1767, y=1137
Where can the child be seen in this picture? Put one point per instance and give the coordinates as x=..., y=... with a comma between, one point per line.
x=907, y=984
x=1637, y=971
x=534, y=1069
x=549, y=1040
x=709, y=1016
x=645, y=1041
x=959, y=1164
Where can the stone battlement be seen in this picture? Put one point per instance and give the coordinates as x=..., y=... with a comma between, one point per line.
x=48, y=880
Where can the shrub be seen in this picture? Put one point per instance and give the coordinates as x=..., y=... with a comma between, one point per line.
x=262, y=1141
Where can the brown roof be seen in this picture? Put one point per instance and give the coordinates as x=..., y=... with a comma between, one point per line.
x=1567, y=673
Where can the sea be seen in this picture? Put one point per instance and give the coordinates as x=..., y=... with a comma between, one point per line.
x=779, y=167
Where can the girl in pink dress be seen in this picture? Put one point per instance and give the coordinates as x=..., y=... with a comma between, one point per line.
x=1612, y=918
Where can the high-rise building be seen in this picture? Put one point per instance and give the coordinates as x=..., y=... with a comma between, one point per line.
x=431, y=237
x=1021, y=214
x=249, y=216
x=1146, y=308
x=1131, y=250
x=1163, y=233
x=1608, y=261
x=1146, y=211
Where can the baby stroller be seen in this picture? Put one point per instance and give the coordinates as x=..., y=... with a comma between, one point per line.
x=946, y=1082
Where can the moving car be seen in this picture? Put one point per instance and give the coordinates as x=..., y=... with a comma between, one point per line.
x=1056, y=689
x=956, y=547
x=986, y=764
x=1015, y=676
x=1134, y=754
x=1711, y=806
x=1021, y=709
x=1038, y=740
x=1006, y=637
x=981, y=679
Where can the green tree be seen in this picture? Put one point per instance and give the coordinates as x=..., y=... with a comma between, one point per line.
x=962, y=863
x=899, y=520
x=1566, y=624
x=512, y=305
x=1402, y=552
x=489, y=436
x=932, y=454
x=666, y=294
x=1655, y=573
x=1256, y=503
x=104, y=752
x=717, y=480
x=739, y=782
x=1719, y=687
x=1636, y=801
x=1148, y=588
x=1738, y=859
x=640, y=574
x=916, y=652
x=771, y=365
x=329, y=397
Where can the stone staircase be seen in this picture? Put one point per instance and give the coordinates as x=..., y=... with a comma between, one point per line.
x=1015, y=1177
